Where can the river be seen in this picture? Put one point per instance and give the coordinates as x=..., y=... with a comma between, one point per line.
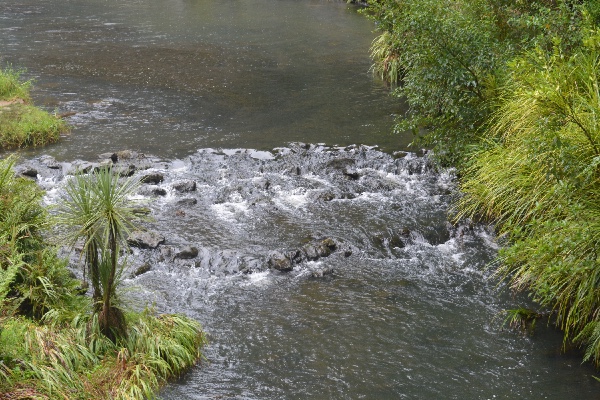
x=268, y=106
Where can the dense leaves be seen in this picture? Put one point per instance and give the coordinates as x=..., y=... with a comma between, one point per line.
x=508, y=92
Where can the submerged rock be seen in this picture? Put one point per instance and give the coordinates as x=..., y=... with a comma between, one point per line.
x=189, y=201
x=187, y=253
x=152, y=190
x=145, y=239
x=153, y=178
x=142, y=269
x=184, y=186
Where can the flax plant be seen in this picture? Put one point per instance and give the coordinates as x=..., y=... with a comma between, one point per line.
x=97, y=210
x=537, y=177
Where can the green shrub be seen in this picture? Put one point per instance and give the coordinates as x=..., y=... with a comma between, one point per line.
x=538, y=179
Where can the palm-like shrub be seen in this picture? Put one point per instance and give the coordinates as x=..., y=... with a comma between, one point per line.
x=97, y=209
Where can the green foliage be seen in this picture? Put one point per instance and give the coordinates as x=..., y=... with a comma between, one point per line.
x=97, y=209
x=538, y=178
x=24, y=125
x=450, y=57
x=76, y=361
x=11, y=85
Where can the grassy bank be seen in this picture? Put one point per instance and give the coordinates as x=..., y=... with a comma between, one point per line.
x=508, y=92
x=22, y=124
x=54, y=342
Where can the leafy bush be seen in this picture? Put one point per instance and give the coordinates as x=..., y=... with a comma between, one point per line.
x=538, y=178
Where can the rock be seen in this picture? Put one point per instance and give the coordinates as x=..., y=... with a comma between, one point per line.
x=49, y=162
x=111, y=156
x=145, y=239
x=127, y=155
x=189, y=201
x=126, y=171
x=103, y=164
x=351, y=174
x=184, y=186
x=323, y=248
x=80, y=167
x=280, y=262
x=187, y=253
x=321, y=272
x=153, y=178
x=28, y=171
x=142, y=269
x=152, y=190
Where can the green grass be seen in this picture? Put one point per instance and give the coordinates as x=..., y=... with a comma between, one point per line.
x=12, y=86
x=76, y=361
x=22, y=124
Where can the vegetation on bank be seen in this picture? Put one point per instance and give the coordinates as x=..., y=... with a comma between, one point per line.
x=22, y=124
x=56, y=342
x=508, y=92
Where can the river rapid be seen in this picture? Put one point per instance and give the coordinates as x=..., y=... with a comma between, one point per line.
x=263, y=138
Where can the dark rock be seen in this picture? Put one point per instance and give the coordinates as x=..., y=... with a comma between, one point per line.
x=280, y=262
x=145, y=239
x=295, y=256
x=50, y=162
x=126, y=171
x=330, y=243
x=351, y=174
x=28, y=171
x=184, y=186
x=152, y=190
x=189, y=201
x=187, y=253
x=311, y=253
x=142, y=269
x=154, y=178
x=111, y=156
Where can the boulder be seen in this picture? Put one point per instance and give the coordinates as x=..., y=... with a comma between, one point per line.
x=152, y=190
x=184, y=186
x=187, y=253
x=145, y=239
x=153, y=178
x=111, y=156
x=28, y=171
x=142, y=269
x=49, y=162
x=280, y=262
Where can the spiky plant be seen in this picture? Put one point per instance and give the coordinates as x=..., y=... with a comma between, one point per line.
x=97, y=209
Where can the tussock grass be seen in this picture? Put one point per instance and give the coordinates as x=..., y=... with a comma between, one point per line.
x=24, y=125
x=12, y=86
x=76, y=361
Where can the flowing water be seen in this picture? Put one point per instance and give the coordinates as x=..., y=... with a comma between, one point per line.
x=224, y=94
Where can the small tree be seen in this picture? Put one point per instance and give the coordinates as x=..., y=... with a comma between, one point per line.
x=97, y=209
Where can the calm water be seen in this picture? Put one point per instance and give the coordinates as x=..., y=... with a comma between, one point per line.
x=409, y=313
